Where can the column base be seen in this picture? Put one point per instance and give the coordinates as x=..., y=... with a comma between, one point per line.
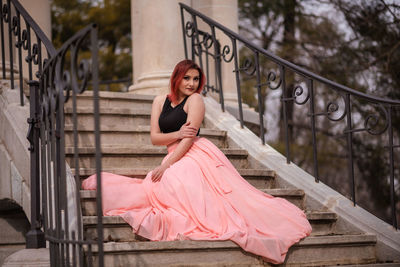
x=152, y=84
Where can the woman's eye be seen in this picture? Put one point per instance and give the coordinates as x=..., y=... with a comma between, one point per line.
x=196, y=79
x=186, y=77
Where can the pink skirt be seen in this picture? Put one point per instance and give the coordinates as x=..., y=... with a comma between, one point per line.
x=203, y=197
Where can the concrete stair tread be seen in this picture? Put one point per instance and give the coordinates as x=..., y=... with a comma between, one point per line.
x=281, y=192
x=110, y=110
x=201, y=245
x=132, y=128
x=133, y=172
x=143, y=150
x=310, y=251
x=92, y=220
x=278, y=192
x=117, y=95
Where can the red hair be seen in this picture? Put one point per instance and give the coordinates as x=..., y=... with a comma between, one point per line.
x=177, y=75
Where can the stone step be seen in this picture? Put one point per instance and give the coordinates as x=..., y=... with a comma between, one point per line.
x=133, y=156
x=113, y=99
x=259, y=178
x=129, y=134
x=114, y=116
x=295, y=196
x=117, y=230
x=311, y=251
x=88, y=199
x=7, y=250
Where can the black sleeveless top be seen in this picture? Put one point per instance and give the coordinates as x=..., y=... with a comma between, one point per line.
x=172, y=118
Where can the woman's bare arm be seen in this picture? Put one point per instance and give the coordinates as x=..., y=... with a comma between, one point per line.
x=195, y=112
x=157, y=137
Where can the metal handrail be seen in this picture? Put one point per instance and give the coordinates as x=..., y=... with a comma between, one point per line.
x=35, y=27
x=54, y=83
x=286, y=63
x=11, y=13
x=202, y=40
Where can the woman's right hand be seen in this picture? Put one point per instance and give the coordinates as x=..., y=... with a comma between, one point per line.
x=187, y=131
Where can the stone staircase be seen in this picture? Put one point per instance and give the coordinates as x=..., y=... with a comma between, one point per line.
x=126, y=147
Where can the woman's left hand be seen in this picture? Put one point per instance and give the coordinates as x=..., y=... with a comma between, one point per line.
x=158, y=173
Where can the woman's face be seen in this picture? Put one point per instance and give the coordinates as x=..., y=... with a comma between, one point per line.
x=189, y=83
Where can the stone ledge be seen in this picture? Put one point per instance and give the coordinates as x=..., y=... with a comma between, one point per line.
x=204, y=245
x=112, y=111
x=29, y=258
x=145, y=150
x=114, y=220
x=117, y=95
x=143, y=171
x=134, y=129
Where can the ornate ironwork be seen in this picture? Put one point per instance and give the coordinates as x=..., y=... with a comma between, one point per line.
x=379, y=122
x=60, y=76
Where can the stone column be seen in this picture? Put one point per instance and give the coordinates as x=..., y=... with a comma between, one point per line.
x=226, y=13
x=39, y=10
x=157, y=44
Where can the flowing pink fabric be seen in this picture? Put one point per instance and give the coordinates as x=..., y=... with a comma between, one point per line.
x=203, y=197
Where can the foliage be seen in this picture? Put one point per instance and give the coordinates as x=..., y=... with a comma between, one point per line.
x=354, y=43
x=113, y=20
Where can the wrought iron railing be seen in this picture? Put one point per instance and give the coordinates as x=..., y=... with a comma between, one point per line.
x=200, y=37
x=60, y=75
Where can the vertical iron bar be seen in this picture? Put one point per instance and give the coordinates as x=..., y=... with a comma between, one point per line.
x=239, y=92
x=313, y=131
x=391, y=153
x=54, y=157
x=61, y=158
x=35, y=237
x=52, y=253
x=192, y=45
x=218, y=82
x=19, y=46
x=28, y=37
x=285, y=120
x=350, y=149
x=95, y=82
x=198, y=41
x=40, y=65
x=77, y=168
x=3, y=52
x=50, y=174
x=260, y=111
x=43, y=175
x=10, y=45
x=207, y=69
x=183, y=33
x=76, y=153
x=90, y=256
x=73, y=237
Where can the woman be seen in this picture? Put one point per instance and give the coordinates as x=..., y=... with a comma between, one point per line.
x=196, y=193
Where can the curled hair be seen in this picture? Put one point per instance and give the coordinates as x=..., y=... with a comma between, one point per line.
x=177, y=75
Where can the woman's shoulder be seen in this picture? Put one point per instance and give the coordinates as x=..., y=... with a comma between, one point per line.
x=195, y=101
x=160, y=99
x=196, y=97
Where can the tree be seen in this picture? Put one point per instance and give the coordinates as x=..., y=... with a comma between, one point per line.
x=113, y=20
x=367, y=36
